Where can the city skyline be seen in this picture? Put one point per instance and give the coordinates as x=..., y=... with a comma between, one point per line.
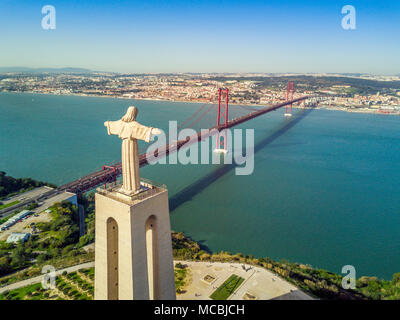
x=203, y=37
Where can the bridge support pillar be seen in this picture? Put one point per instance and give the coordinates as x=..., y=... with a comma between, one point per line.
x=133, y=246
x=290, y=91
x=222, y=120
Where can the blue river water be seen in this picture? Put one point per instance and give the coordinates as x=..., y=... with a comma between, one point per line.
x=324, y=190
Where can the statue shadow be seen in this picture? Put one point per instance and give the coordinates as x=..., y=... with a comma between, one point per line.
x=189, y=192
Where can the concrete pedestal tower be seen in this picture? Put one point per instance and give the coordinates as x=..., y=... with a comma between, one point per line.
x=133, y=235
x=133, y=246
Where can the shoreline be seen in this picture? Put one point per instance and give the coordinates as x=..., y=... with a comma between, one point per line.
x=362, y=110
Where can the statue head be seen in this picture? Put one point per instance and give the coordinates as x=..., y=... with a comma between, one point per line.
x=130, y=115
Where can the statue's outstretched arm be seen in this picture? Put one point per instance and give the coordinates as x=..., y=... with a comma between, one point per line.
x=155, y=131
x=107, y=125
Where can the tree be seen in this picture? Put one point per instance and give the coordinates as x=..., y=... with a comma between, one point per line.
x=41, y=258
x=396, y=278
x=180, y=266
x=18, y=255
x=5, y=266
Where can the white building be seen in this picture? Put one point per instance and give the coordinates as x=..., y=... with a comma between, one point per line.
x=14, y=237
x=13, y=220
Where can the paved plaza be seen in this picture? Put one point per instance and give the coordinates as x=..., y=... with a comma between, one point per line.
x=258, y=284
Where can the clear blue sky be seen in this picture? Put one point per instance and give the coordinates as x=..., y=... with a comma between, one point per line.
x=203, y=36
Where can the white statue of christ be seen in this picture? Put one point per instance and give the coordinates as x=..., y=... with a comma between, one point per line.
x=129, y=130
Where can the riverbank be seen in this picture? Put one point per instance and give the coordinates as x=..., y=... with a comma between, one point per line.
x=316, y=282
x=332, y=108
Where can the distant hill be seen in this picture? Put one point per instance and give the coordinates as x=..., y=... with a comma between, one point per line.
x=42, y=70
x=350, y=74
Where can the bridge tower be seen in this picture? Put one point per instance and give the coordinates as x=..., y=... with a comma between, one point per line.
x=222, y=120
x=289, y=95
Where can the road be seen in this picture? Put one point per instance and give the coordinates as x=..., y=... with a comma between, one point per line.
x=25, y=199
x=47, y=203
x=38, y=279
x=27, y=195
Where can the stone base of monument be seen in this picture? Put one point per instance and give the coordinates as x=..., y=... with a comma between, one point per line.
x=122, y=194
x=133, y=249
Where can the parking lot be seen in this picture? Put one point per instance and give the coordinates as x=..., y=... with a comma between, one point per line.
x=24, y=225
x=28, y=195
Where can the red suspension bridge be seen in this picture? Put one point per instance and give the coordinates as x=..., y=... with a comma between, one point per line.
x=109, y=173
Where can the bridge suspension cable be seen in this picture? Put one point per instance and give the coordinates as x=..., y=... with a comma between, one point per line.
x=189, y=122
x=201, y=116
x=192, y=116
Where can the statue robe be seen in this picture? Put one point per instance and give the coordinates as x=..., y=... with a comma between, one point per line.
x=129, y=132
